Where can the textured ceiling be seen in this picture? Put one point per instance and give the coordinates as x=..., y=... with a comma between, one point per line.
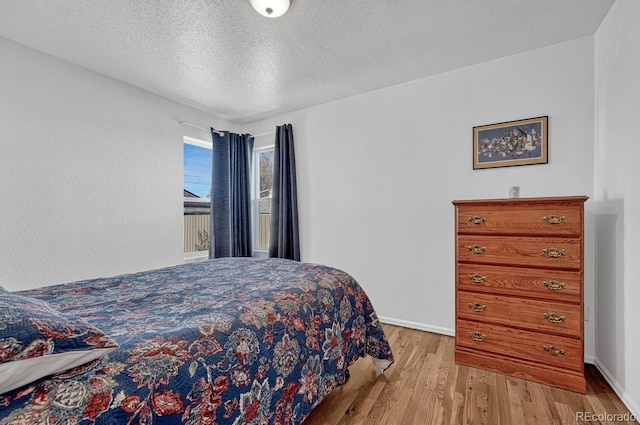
x=223, y=57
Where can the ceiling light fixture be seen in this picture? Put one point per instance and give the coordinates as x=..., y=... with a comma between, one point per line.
x=271, y=8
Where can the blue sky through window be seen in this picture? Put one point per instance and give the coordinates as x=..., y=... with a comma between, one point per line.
x=197, y=170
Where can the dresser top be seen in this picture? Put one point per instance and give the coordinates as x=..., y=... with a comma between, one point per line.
x=545, y=200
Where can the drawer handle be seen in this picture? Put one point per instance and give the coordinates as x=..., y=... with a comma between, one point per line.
x=476, y=219
x=477, y=307
x=554, y=317
x=554, y=285
x=477, y=278
x=554, y=252
x=477, y=249
x=553, y=350
x=477, y=336
x=554, y=219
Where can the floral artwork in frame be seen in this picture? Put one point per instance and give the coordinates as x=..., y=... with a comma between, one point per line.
x=522, y=142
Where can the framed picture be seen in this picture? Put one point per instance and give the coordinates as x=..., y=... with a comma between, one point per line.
x=522, y=142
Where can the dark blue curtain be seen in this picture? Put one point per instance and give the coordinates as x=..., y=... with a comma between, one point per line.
x=231, y=195
x=284, y=232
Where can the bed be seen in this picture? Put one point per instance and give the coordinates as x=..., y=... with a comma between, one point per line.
x=225, y=341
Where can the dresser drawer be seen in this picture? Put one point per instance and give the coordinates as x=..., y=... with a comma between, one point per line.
x=549, y=350
x=536, y=315
x=561, y=253
x=525, y=282
x=551, y=219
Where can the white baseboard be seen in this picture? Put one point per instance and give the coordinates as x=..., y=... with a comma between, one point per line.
x=633, y=407
x=418, y=326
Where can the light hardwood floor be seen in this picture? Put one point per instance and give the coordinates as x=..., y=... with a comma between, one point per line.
x=426, y=386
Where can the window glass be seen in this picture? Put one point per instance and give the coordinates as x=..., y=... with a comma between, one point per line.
x=197, y=169
x=262, y=203
x=197, y=195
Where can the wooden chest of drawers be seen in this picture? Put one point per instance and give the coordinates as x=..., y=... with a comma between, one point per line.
x=519, y=280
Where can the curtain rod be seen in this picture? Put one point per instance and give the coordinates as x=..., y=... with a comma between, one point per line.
x=221, y=133
x=265, y=134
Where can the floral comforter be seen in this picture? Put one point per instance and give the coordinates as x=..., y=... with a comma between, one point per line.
x=226, y=341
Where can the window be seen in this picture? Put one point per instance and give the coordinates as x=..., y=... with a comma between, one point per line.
x=197, y=197
x=263, y=185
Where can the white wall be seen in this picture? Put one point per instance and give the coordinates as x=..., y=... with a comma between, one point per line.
x=377, y=172
x=617, y=199
x=90, y=173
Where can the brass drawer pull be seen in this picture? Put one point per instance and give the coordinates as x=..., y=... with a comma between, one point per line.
x=554, y=219
x=476, y=219
x=553, y=350
x=554, y=317
x=477, y=307
x=554, y=252
x=477, y=336
x=477, y=249
x=554, y=285
x=477, y=278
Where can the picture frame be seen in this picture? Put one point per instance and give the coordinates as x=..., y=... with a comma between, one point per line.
x=511, y=143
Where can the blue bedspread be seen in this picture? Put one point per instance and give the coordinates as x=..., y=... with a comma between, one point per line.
x=226, y=341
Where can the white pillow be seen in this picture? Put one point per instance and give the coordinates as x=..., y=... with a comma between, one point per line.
x=38, y=341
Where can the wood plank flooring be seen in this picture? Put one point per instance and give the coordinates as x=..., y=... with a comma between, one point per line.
x=426, y=386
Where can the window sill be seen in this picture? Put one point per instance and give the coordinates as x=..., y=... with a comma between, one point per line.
x=261, y=253
x=191, y=257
